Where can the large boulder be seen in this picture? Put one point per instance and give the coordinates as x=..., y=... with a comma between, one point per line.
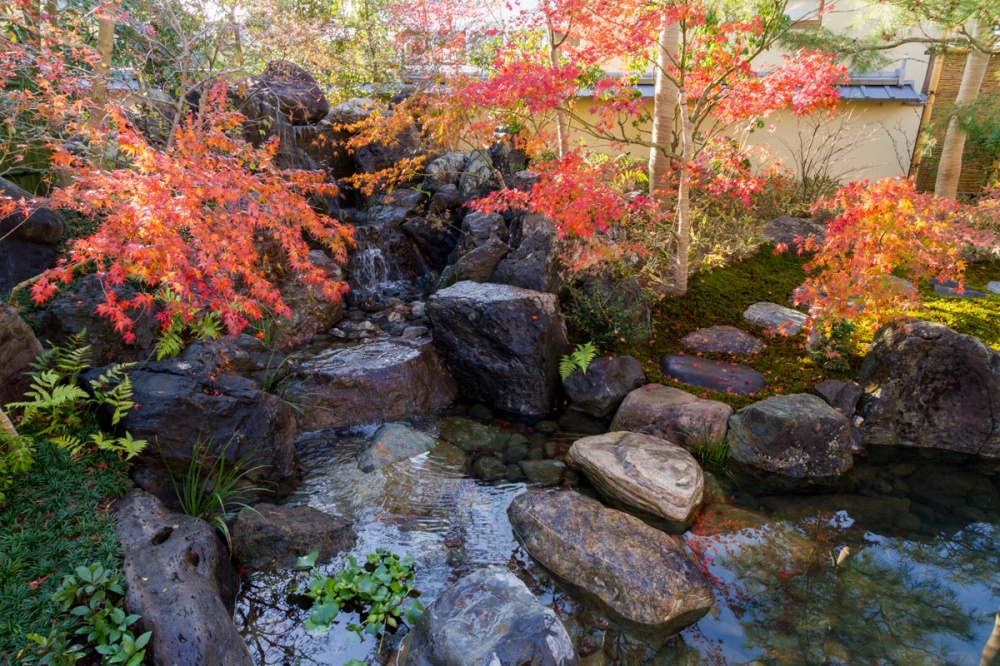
x=794, y=232
x=378, y=155
x=601, y=389
x=479, y=263
x=842, y=396
x=487, y=618
x=642, y=574
x=435, y=235
x=294, y=91
x=637, y=472
x=796, y=438
x=351, y=112
x=75, y=309
x=533, y=265
x=27, y=237
x=370, y=383
x=270, y=535
x=478, y=178
x=312, y=312
x=928, y=386
x=502, y=343
x=445, y=170
x=40, y=225
x=180, y=581
x=180, y=403
x=18, y=349
x=672, y=414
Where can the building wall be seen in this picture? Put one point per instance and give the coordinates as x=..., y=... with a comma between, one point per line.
x=864, y=139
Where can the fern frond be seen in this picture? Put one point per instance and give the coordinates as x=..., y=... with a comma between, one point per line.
x=169, y=344
x=68, y=442
x=583, y=355
x=566, y=367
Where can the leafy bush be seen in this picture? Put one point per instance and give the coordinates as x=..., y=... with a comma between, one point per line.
x=65, y=413
x=376, y=590
x=91, y=603
x=606, y=317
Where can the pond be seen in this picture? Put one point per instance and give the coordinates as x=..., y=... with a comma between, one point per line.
x=900, y=567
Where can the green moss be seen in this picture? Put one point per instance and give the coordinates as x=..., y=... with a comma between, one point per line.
x=55, y=518
x=974, y=316
x=720, y=296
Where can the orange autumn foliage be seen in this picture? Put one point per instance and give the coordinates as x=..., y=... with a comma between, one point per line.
x=190, y=223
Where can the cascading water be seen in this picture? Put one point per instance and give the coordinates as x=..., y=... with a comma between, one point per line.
x=370, y=270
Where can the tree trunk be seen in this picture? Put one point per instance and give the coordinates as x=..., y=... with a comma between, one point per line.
x=991, y=653
x=683, y=211
x=105, y=48
x=562, y=118
x=6, y=425
x=665, y=97
x=950, y=167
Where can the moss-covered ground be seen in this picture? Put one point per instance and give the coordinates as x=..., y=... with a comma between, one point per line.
x=720, y=296
x=57, y=516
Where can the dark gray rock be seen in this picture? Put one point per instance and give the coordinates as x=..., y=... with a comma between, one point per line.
x=716, y=375
x=352, y=111
x=487, y=618
x=311, y=311
x=533, y=265
x=722, y=340
x=179, y=403
x=793, y=232
x=391, y=443
x=293, y=90
x=928, y=386
x=477, y=228
x=370, y=383
x=445, y=170
x=377, y=155
x=601, y=389
x=42, y=225
x=776, y=318
x=435, y=236
x=842, y=396
x=798, y=438
x=180, y=581
x=445, y=198
x=673, y=415
x=477, y=178
x=75, y=310
x=646, y=474
x=268, y=535
x=22, y=260
x=543, y=472
x=489, y=469
x=502, y=343
x=479, y=263
x=18, y=349
x=641, y=573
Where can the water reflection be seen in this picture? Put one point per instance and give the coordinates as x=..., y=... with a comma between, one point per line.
x=903, y=569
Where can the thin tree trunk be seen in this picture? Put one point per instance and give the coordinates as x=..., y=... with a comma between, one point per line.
x=683, y=198
x=562, y=118
x=6, y=425
x=665, y=97
x=105, y=48
x=991, y=653
x=950, y=167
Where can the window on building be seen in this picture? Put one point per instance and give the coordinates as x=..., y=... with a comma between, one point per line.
x=804, y=13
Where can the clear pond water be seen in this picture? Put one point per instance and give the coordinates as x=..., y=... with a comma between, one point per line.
x=903, y=569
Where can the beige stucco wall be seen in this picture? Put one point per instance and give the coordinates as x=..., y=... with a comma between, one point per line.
x=868, y=139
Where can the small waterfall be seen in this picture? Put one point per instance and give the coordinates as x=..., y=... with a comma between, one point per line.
x=371, y=271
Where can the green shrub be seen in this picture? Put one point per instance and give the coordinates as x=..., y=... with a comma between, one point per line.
x=605, y=317
x=91, y=603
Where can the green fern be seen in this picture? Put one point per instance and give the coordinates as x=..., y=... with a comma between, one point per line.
x=580, y=358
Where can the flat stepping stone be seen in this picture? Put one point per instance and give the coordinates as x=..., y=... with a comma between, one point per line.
x=993, y=286
x=950, y=288
x=722, y=340
x=777, y=318
x=716, y=375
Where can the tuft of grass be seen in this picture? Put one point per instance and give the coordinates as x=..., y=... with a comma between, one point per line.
x=712, y=453
x=719, y=297
x=56, y=517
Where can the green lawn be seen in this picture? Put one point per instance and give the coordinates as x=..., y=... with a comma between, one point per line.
x=56, y=518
